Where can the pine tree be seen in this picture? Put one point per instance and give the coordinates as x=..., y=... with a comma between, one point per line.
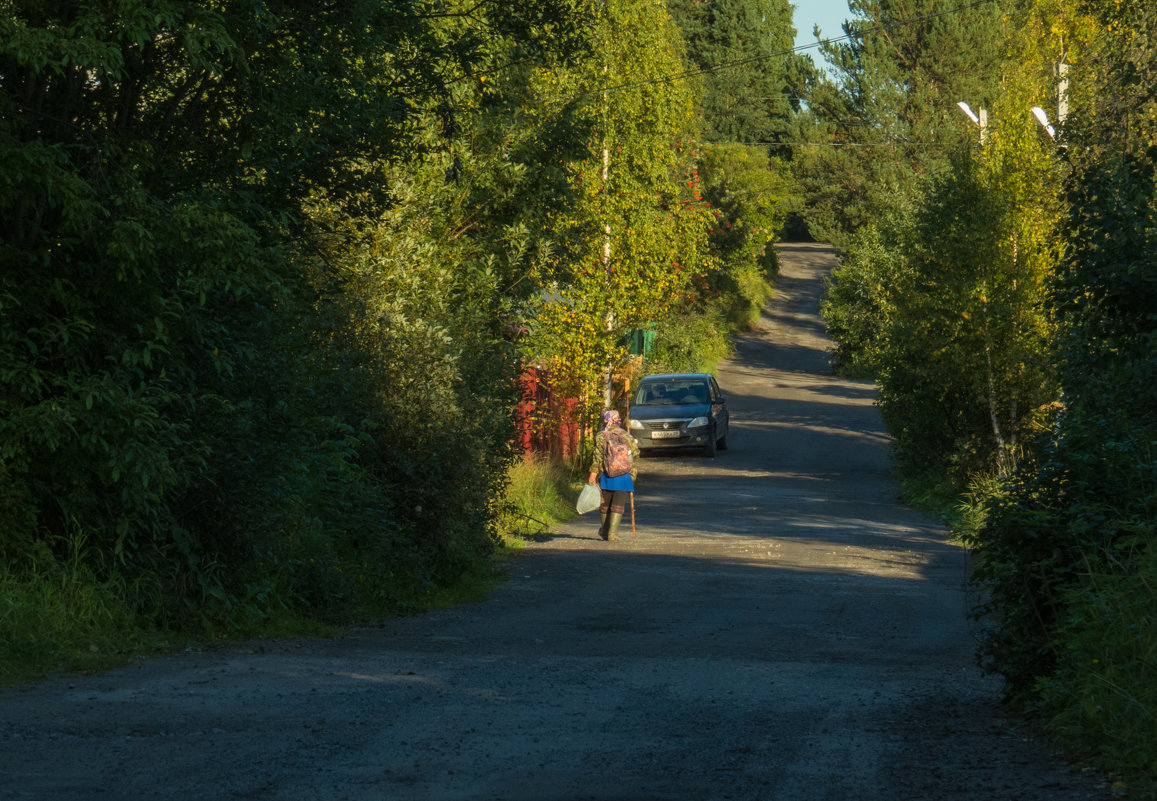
x=890, y=111
x=744, y=50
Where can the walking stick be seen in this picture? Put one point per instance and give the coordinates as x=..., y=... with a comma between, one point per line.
x=632, y=513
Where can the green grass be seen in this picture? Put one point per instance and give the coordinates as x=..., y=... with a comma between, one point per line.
x=932, y=494
x=541, y=494
x=474, y=586
x=76, y=615
x=62, y=617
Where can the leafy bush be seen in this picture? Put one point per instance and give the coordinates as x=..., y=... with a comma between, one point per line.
x=1065, y=544
x=1015, y=353
x=1102, y=698
x=857, y=304
x=745, y=190
x=689, y=342
x=249, y=355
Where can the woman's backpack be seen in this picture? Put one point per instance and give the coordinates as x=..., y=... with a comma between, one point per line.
x=616, y=454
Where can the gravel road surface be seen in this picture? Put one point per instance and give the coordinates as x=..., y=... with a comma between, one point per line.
x=781, y=629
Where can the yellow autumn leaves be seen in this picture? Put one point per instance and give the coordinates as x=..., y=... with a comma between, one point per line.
x=634, y=229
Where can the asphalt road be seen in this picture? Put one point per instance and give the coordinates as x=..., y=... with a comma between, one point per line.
x=781, y=628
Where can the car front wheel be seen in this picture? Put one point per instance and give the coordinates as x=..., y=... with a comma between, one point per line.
x=709, y=448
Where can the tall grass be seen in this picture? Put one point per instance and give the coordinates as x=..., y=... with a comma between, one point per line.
x=932, y=493
x=76, y=614
x=60, y=614
x=541, y=493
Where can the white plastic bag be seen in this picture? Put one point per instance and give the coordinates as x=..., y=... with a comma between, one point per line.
x=588, y=499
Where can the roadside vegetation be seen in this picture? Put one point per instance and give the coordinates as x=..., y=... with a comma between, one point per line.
x=999, y=284
x=271, y=271
x=541, y=494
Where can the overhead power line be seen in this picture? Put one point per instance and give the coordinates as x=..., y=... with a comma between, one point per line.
x=725, y=65
x=896, y=143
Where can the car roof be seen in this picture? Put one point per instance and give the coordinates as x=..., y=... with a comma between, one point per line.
x=675, y=377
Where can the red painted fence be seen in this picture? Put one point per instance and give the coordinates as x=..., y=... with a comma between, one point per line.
x=546, y=421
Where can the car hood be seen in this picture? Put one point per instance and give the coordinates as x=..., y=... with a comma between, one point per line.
x=673, y=411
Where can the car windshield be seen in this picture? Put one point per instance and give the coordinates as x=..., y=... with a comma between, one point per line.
x=666, y=393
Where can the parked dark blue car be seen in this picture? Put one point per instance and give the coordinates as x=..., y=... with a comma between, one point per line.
x=680, y=410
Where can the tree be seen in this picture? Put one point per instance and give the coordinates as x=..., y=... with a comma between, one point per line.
x=744, y=50
x=964, y=365
x=889, y=112
x=944, y=295
x=1078, y=514
x=174, y=387
x=631, y=229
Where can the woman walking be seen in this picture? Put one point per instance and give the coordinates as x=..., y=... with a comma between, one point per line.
x=616, y=454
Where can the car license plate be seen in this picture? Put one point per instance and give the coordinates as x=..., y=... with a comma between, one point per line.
x=664, y=434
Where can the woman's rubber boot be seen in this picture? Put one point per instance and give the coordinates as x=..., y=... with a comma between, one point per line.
x=613, y=520
x=603, y=527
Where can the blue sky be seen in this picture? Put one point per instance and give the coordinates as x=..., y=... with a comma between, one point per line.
x=828, y=14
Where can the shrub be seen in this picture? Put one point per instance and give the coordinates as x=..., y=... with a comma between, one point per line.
x=1102, y=697
x=689, y=342
x=857, y=307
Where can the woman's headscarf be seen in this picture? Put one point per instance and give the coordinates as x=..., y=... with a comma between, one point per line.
x=611, y=420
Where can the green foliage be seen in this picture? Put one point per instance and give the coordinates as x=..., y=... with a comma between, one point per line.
x=693, y=341
x=964, y=368
x=414, y=341
x=125, y=294
x=630, y=231
x=269, y=272
x=887, y=118
x=236, y=344
x=63, y=614
x=1005, y=300
x=1065, y=542
x=540, y=493
x=745, y=191
x=956, y=330
x=743, y=48
x=748, y=193
x=932, y=493
x=1102, y=698
x=861, y=291
x=653, y=229
x=1089, y=490
x=1084, y=509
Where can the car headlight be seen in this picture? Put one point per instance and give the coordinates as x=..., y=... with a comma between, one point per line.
x=637, y=425
x=698, y=422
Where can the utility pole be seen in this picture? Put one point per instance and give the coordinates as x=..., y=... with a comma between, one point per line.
x=1062, y=102
x=980, y=120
